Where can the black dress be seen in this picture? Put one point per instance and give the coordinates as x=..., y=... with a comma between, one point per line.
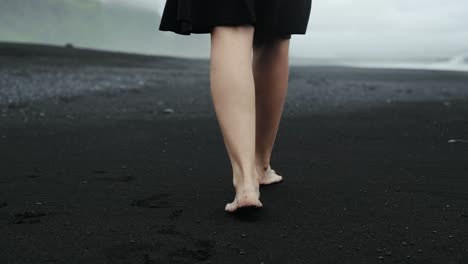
x=269, y=17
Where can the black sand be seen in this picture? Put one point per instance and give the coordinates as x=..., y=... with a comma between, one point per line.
x=114, y=158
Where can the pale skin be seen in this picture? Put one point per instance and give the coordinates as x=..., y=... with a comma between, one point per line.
x=248, y=82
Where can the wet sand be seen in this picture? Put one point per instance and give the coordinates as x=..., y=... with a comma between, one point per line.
x=116, y=158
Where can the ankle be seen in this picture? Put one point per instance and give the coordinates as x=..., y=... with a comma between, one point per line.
x=262, y=169
x=245, y=179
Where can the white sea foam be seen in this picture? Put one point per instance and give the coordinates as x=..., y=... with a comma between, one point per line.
x=456, y=63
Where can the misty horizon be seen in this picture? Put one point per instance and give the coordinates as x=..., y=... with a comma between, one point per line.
x=338, y=29
x=404, y=30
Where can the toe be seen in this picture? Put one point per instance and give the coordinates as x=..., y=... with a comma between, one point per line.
x=230, y=207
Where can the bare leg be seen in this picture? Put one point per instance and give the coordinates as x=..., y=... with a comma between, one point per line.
x=271, y=73
x=233, y=93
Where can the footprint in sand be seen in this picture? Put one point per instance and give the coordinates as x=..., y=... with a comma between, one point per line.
x=201, y=252
x=171, y=247
x=107, y=177
x=168, y=230
x=28, y=217
x=175, y=213
x=155, y=201
x=124, y=178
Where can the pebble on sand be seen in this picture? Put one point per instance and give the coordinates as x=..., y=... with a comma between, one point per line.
x=168, y=111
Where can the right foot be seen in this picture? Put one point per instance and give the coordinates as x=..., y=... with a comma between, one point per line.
x=270, y=176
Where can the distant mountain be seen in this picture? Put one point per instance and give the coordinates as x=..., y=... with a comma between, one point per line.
x=91, y=23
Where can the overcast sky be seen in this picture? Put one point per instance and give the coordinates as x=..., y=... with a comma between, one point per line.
x=377, y=28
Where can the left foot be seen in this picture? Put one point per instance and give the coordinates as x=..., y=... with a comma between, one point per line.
x=247, y=195
x=269, y=177
x=246, y=198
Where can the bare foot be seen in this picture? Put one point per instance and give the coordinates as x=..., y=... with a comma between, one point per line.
x=270, y=177
x=245, y=197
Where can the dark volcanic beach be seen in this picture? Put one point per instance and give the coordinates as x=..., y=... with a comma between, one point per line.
x=118, y=158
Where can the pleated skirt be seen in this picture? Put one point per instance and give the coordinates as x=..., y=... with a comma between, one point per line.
x=269, y=17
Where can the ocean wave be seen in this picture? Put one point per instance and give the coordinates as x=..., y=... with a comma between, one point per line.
x=456, y=63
